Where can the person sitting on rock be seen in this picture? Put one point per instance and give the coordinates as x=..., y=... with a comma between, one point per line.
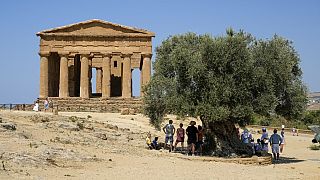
x=36, y=106
x=155, y=144
x=257, y=148
x=246, y=136
x=251, y=144
x=148, y=141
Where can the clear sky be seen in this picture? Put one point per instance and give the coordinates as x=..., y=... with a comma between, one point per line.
x=296, y=20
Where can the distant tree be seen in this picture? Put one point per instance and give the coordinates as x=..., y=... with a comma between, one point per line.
x=224, y=81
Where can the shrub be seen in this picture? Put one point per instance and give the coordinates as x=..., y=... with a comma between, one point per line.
x=315, y=147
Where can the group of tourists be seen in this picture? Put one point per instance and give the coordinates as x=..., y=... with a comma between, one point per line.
x=195, y=140
x=260, y=147
x=46, y=104
x=194, y=135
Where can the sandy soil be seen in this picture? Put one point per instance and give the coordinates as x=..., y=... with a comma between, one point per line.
x=112, y=146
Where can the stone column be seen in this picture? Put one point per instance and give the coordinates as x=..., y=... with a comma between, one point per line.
x=98, y=80
x=106, y=76
x=146, y=70
x=71, y=75
x=44, y=75
x=126, y=76
x=90, y=77
x=64, y=76
x=84, y=76
x=141, y=82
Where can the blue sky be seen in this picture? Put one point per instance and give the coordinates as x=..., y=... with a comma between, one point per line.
x=298, y=21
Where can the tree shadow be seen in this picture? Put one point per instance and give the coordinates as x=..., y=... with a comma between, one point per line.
x=287, y=160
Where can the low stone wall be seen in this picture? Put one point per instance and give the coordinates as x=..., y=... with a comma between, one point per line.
x=112, y=105
x=254, y=160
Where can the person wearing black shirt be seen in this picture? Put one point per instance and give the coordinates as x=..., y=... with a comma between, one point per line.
x=192, y=133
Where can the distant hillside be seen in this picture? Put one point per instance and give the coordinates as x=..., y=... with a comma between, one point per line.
x=314, y=101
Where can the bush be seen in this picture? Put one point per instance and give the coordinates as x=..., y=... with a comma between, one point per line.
x=73, y=118
x=311, y=117
x=265, y=122
x=315, y=147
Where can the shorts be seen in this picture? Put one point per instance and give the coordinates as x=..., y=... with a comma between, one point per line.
x=275, y=148
x=169, y=139
x=46, y=106
x=192, y=141
x=199, y=143
x=181, y=139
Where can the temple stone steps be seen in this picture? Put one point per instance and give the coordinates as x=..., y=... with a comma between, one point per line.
x=96, y=104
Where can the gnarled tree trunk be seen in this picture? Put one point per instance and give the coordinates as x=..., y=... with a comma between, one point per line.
x=222, y=140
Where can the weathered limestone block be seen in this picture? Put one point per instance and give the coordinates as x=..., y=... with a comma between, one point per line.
x=125, y=111
x=69, y=126
x=8, y=126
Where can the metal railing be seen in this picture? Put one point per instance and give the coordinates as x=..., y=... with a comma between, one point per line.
x=19, y=107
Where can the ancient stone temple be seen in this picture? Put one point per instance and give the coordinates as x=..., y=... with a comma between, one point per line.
x=68, y=54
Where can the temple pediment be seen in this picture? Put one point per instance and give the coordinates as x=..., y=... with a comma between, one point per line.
x=96, y=27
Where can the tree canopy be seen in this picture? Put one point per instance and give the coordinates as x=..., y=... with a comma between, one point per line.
x=225, y=78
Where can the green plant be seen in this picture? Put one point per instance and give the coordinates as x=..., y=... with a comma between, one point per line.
x=314, y=147
x=225, y=80
x=73, y=118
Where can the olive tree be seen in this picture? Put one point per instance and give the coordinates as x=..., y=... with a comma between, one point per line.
x=224, y=80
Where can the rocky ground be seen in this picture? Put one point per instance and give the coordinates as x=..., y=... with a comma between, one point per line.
x=112, y=146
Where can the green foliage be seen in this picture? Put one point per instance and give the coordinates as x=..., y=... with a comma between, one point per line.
x=265, y=122
x=314, y=147
x=225, y=78
x=309, y=118
x=73, y=118
x=312, y=118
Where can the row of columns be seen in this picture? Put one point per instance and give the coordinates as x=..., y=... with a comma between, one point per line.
x=105, y=73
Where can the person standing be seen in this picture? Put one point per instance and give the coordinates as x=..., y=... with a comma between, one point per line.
x=200, y=140
x=46, y=104
x=180, y=136
x=169, y=130
x=192, y=133
x=275, y=141
x=264, y=140
x=283, y=141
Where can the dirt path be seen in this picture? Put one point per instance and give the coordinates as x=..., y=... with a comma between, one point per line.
x=111, y=146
